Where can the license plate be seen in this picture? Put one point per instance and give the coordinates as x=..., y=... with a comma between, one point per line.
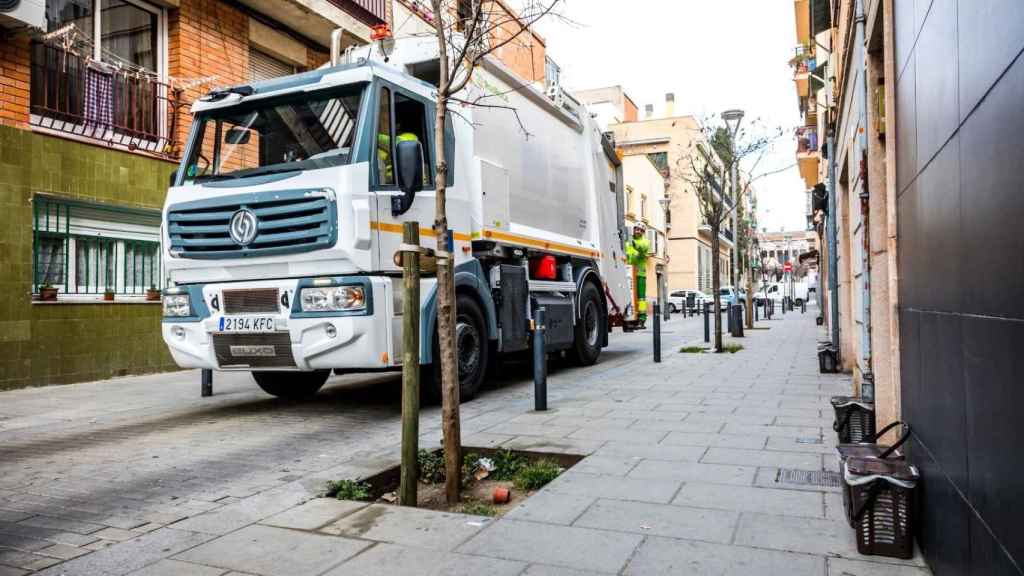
x=253, y=351
x=247, y=324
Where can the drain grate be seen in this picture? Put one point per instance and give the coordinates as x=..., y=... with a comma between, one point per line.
x=809, y=440
x=809, y=477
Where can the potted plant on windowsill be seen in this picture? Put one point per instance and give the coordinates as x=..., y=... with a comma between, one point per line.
x=108, y=295
x=47, y=293
x=152, y=294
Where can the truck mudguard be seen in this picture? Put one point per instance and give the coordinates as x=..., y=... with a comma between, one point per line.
x=468, y=274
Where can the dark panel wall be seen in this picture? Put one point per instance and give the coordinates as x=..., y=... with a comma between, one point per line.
x=960, y=180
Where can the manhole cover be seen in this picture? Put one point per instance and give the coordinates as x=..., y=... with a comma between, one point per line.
x=809, y=477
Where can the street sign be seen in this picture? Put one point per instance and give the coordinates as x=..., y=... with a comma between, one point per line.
x=788, y=267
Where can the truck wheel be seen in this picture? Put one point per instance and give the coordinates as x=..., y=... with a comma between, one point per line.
x=291, y=385
x=672, y=308
x=587, y=345
x=472, y=353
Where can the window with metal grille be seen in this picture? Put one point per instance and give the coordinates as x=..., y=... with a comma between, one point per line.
x=84, y=249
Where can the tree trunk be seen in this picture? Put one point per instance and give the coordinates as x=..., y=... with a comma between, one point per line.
x=446, y=320
x=716, y=284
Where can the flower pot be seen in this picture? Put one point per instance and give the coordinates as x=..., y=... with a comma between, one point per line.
x=108, y=296
x=48, y=294
x=501, y=495
x=152, y=295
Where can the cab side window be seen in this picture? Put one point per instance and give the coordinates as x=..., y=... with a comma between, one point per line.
x=411, y=126
x=383, y=145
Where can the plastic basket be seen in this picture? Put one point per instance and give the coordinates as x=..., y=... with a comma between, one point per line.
x=868, y=450
x=827, y=360
x=882, y=493
x=854, y=419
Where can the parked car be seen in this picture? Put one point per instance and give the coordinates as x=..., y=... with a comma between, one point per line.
x=730, y=296
x=770, y=291
x=677, y=300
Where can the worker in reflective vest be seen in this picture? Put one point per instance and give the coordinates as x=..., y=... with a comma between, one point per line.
x=384, y=153
x=636, y=253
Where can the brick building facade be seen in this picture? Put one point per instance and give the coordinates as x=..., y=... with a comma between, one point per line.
x=89, y=135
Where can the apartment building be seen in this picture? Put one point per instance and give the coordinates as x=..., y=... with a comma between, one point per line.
x=94, y=110
x=645, y=191
x=918, y=182
x=668, y=141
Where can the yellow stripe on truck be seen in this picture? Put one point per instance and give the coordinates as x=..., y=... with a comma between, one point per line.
x=397, y=229
x=496, y=235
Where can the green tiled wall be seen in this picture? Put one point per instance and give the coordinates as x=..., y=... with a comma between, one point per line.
x=44, y=344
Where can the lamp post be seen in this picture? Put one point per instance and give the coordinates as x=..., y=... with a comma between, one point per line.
x=664, y=202
x=732, y=120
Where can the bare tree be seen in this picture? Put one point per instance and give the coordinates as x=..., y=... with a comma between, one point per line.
x=706, y=168
x=467, y=32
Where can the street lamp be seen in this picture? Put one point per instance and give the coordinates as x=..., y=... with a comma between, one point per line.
x=732, y=120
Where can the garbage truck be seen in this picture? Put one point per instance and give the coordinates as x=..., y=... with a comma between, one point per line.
x=283, y=220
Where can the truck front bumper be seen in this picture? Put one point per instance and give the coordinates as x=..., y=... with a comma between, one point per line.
x=298, y=340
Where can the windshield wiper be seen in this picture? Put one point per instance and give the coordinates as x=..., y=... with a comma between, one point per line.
x=212, y=177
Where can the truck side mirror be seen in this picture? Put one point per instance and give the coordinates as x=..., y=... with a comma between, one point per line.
x=409, y=168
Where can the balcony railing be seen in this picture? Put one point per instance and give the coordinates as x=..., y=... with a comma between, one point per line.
x=71, y=94
x=369, y=12
x=806, y=139
x=802, y=60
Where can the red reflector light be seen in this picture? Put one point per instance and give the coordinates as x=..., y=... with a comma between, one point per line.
x=543, y=268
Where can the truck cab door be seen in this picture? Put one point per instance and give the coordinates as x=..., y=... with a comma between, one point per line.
x=400, y=116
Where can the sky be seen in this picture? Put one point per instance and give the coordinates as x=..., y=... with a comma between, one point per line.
x=713, y=54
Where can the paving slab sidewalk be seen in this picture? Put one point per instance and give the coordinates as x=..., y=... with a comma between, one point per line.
x=681, y=476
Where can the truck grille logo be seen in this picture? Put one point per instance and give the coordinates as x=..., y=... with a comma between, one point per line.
x=243, y=227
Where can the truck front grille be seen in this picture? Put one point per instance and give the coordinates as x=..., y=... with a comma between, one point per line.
x=250, y=301
x=287, y=222
x=272, y=350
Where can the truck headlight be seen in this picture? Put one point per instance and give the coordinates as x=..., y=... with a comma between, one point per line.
x=177, y=305
x=333, y=299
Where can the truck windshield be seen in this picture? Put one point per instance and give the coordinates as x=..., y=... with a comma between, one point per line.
x=296, y=132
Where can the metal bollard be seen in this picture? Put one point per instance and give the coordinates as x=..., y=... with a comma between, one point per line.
x=707, y=323
x=757, y=309
x=738, y=322
x=657, y=332
x=728, y=319
x=803, y=306
x=540, y=363
x=207, y=381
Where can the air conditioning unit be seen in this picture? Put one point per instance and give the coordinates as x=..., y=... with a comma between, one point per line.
x=555, y=94
x=16, y=14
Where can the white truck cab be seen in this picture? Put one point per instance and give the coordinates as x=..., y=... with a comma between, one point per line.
x=283, y=219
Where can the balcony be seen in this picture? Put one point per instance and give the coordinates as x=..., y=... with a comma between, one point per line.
x=803, y=64
x=317, y=19
x=126, y=109
x=807, y=154
x=369, y=12
x=724, y=234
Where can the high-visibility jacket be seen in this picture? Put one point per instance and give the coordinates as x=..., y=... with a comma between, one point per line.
x=384, y=150
x=636, y=253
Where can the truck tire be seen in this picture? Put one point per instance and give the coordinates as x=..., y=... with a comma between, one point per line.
x=587, y=345
x=291, y=385
x=473, y=353
x=672, y=309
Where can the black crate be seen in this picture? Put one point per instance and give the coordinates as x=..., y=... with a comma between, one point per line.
x=868, y=450
x=854, y=419
x=882, y=495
